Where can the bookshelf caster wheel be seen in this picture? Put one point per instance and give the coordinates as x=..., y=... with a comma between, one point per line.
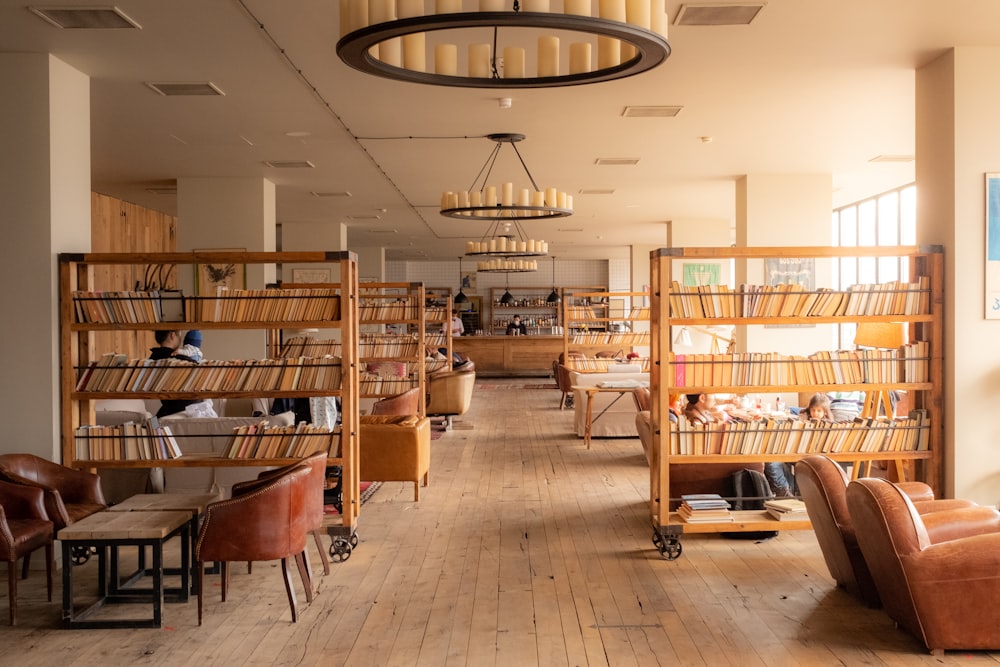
x=670, y=548
x=80, y=555
x=354, y=540
x=341, y=549
x=657, y=540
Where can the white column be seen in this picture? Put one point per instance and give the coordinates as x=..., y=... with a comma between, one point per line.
x=45, y=190
x=957, y=142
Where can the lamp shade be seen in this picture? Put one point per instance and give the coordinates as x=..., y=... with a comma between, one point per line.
x=884, y=335
x=461, y=298
x=683, y=337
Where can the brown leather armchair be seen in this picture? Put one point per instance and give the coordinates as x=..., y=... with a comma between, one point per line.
x=407, y=403
x=24, y=527
x=943, y=593
x=70, y=494
x=823, y=485
x=561, y=374
x=268, y=523
x=450, y=394
x=317, y=481
x=396, y=448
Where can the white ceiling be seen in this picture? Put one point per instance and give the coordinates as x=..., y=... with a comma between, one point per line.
x=811, y=86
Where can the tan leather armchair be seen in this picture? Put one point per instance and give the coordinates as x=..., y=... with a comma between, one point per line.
x=450, y=394
x=561, y=374
x=406, y=403
x=24, y=527
x=396, y=448
x=943, y=593
x=70, y=494
x=268, y=523
x=823, y=485
x=317, y=481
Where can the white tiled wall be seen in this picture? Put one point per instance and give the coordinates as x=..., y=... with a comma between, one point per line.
x=569, y=273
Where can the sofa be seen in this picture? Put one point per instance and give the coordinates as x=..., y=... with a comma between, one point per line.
x=396, y=448
x=619, y=419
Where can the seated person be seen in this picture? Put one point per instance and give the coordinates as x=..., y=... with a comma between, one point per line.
x=818, y=409
x=780, y=475
x=701, y=409
x=846, y=405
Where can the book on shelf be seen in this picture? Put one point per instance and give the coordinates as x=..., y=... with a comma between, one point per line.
x=786, y=509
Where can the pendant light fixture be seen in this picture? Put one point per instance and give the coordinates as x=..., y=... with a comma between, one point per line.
x=460, y=297
x=554, y=296
x=507, y=297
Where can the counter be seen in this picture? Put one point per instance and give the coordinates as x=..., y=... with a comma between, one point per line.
x=513, y=355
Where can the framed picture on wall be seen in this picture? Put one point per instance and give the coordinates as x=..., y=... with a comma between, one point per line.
x=209, y=278
x=993, y=246
x=311, y=276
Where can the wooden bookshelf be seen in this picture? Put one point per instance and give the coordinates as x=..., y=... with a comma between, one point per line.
x=90, y=374
x=600, y=322
x=438, y=305
x=912, y=442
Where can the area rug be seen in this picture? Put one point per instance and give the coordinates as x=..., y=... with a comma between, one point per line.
x=368, y=490
x=489, y=387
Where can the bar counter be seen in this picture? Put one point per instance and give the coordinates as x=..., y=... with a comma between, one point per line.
x=499, y=356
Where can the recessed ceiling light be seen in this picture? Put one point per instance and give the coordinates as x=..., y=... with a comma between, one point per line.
x=184, y=88
x=718, y=13
x=85, y=18
x=617, y=161
x=892, y=158
x=290, y=164
x=650, y=112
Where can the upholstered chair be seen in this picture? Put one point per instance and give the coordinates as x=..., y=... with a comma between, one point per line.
x=270, y=522
x=561, y=374
x=70, y=494
x=24, y=527
x=450, y=394
x=317, y=464
x=406, y=403
x=395, y=448
x=943, y=593
x=823, y=485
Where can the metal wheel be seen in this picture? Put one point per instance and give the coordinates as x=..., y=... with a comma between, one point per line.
x=657, y=539
x=340, y=550
x=670, y=547
x=79, y=555
x=354, y=540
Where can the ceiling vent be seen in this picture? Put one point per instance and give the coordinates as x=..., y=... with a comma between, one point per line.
x=892, y=158
x=718, y=13
x=383, y=231
x=290, y=164
x=617, y=161
x=183, y=89
x=342, y=193
x=165, y=190
x=597, y=191
x=650, y=112
x=567, y=229
x=85, y=18
x=364, y=216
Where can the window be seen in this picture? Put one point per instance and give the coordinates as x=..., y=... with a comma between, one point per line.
x=887, y=219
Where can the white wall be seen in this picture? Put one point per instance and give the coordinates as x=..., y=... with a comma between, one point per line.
x=958, y=141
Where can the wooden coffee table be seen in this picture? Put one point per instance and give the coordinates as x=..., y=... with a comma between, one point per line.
x=194, y=503
x=111, y=530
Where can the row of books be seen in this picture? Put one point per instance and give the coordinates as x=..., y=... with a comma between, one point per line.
x=434, y=340
x=381, y=310
x=909, y=363
x=795, y=436
x=610, y=338
x=260, y=441
x=431, y=365
x=436, y=314
x=113, y=372
x=388, y=346
x=602, y=364
x=704, y=508
x=307, y=346
x=144, y=441
x=272, y=305
x=127, y=307
x=373, y=385
x=791, y=300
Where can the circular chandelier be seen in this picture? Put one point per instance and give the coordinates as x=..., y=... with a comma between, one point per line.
x=486, y=202
x=504, y=265
x=489, y=46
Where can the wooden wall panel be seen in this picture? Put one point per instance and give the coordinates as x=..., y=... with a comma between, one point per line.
x=118, y=226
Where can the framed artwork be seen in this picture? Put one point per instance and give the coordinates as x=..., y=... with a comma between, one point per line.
x=208, y=278
x=993, y=246
x=791, y=271
x=469, y=281
x=311, y=275
x=702, y=273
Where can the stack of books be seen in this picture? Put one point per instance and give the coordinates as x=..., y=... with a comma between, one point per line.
x=704, y=507
x=786, y=509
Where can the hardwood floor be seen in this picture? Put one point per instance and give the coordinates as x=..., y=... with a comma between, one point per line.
x=526, y=549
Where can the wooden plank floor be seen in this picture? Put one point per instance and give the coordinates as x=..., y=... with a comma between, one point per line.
x=526, y=549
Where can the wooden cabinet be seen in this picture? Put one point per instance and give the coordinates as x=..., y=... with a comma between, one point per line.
x=915, y=303
x=83, y=313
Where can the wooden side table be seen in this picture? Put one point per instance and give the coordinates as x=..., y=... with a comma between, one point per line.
x=110, y=530
x=592, y=391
